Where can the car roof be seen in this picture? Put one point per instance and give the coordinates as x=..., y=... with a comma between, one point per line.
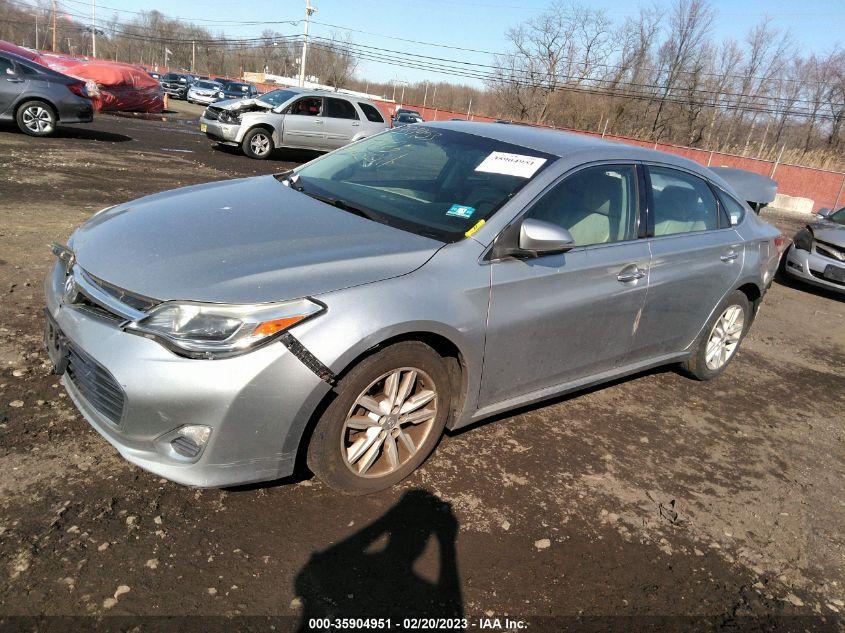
x=564, y=144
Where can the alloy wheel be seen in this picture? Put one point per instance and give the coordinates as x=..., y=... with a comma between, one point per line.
x=260, y=144
x=389, y=422
x=37, y=119
x=724, y=338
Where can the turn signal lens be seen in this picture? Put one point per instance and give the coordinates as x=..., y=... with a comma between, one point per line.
x=268, y=328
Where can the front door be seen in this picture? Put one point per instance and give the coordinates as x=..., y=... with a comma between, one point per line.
x=696, y=259
x=304, y=125
x=557, y=318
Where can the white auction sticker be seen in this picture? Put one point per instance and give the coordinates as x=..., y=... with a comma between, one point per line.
x=511, y=164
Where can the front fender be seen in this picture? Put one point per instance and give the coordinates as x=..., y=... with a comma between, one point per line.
x=250, y=120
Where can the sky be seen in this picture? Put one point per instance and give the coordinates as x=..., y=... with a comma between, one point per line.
x=816, y=25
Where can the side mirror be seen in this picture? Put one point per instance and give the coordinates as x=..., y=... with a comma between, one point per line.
x=543, y=238
x=823, y=213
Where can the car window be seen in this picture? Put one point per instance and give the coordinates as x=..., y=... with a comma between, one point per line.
x=307, y=106
x=682, y=203
x=734, y=209
x=596, y=205
x=340, y=109
x=430, y=181
x=22, y=69
x=371, y=112
x=6, y=67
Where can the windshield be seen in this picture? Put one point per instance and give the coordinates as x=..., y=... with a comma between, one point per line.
x=237, y=87
x=277, y=97
x=426, y=180
x=837, y=216
x=206, y=85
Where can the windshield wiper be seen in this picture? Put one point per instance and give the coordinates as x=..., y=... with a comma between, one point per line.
x=339, y=203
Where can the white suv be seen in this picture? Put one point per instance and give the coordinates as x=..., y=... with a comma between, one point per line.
x=292, y=118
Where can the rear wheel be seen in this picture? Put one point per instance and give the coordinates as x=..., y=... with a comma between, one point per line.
x=258, y=143
x=387, y=418
x=36, y=118
x=718, y=342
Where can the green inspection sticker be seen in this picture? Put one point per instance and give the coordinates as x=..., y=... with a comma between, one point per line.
x=461, y=211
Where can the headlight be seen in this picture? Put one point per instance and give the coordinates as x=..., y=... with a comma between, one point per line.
x=221, y=94
x=210, y=330
x=228, y=117
x=803, y=240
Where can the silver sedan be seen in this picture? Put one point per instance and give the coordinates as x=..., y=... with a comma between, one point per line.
x=344, y=314
x=817, y=253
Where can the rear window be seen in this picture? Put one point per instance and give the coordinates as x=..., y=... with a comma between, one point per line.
x=371, y=112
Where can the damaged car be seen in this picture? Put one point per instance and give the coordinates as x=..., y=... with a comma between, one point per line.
x=343, y=314
x=817, y=252
x=291, y=118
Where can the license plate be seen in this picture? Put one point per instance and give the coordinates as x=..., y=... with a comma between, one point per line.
x=56, y=344
x=834, y=273
x=203, y=127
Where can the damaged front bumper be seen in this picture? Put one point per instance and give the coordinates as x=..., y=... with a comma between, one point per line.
x=223, y=133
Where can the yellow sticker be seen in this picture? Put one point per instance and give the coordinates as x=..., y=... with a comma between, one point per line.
x=474, y=229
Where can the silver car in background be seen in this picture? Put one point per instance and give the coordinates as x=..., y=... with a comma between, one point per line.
x=203, y=91
x=817, y=252
x=292, y=118
x=344, y=314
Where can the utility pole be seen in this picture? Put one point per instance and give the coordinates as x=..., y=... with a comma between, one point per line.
x=425, y=95
x=54, y=26
x=193, y=55
x=93, y=28
x=308, y=11
x=36, y=31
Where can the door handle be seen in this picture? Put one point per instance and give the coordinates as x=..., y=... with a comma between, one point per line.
x=630, y=275
x=355, y=123
x=318, y=122
x=729, y=256
x=14, y=80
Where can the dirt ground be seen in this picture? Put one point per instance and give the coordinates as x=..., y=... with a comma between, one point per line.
x=656, y=501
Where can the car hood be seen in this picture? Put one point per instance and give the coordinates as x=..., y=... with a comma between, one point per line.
x=829, y=232
x=251, y=240
x=242, y=103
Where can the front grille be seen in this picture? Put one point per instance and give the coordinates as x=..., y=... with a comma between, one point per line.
x=829, y=250
x=133, y=300
x=95, y=384
x=827, y=279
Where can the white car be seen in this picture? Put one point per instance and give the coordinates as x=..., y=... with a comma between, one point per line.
x=293, y=118
x=204, y=92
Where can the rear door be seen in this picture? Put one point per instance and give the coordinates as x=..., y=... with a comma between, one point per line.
x=11, y=84
x=557, y=318
x=696, y=259
x=304, y=125
x=342, y=122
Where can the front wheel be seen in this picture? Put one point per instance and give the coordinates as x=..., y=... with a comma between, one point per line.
x=719, y=340
x=386, y=420
x=258, y=143
x=36, y=118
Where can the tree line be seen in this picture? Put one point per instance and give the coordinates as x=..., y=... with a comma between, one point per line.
x=659, y=75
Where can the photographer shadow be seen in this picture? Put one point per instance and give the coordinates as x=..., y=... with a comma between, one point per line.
x=372, y=574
